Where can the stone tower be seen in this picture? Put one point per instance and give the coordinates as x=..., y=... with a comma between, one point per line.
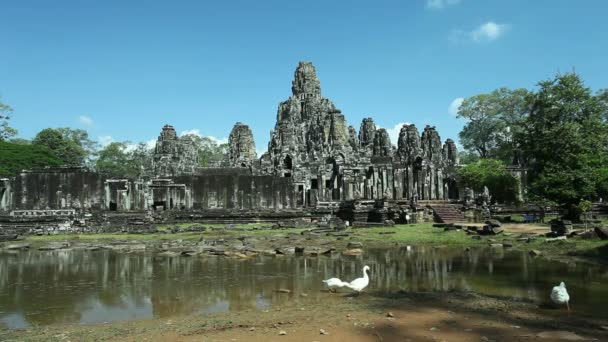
x=173, y=155
x=241, y=146
x=309, y=127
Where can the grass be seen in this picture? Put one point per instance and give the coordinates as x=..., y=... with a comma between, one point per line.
x=418, y=234
x=415, y=234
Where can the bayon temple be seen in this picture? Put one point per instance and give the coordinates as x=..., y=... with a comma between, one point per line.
x=315, y=162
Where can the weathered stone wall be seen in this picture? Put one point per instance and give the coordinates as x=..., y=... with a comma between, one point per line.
x=60, y=188
x=314, y=159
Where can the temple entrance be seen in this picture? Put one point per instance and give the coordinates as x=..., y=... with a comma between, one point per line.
x=113, y=206
x=452, y=189
x=158, y=204
x=287, y=163
x=171, y=203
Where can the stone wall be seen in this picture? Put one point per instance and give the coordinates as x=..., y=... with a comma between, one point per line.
x=314, y=159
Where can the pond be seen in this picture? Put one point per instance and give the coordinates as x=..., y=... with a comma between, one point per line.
x=88, y=287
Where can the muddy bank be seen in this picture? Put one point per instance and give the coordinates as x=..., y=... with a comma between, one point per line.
x=372, y=316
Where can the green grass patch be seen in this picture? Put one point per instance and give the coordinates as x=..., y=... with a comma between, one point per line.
x=418, y=234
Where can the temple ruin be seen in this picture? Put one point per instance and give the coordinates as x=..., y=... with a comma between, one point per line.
x=315, y=162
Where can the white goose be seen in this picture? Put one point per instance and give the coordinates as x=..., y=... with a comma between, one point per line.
x=333, y=283
x=360, y=283
x=560, y=296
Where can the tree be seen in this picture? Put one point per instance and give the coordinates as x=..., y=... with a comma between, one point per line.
x=81, y=138
x=115, y=161
x=492, y=173
x=20, y=141
x=209, y=150
x=141, y=157
x=16, y=157
x=565, y=141
x=466, y=157
x=64, y=144
x=121, y=160
x=493, y=119
x=602, y=96
x=6, y=132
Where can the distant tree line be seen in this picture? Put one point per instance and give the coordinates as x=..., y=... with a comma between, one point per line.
x=73, y=147
x=559, y=132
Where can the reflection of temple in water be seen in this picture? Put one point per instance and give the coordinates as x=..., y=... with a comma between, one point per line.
x=39, y=288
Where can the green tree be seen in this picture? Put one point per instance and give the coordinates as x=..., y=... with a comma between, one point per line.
x=492, y=121
x=602, y=96
x=20, y=141
x=466, y=157
x=141, y=156
x=564, y=140
x=116, y=161
x=6, y=132
x=16, y=157
x=81, y=138
x=209, y=150
x=491, y=173
x=64, y=145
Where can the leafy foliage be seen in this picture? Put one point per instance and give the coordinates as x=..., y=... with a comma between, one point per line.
x=6, y=132
x=565, y=140
x=72, y=146
x=493, y=119
x=210, y=152
x=117, y=160
x=491, y=173
x=15, y=157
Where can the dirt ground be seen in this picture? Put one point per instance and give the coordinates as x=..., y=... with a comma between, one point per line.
x=516, y=228
x=343, y=317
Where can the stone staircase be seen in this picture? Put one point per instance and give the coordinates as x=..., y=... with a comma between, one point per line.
x=447, y=213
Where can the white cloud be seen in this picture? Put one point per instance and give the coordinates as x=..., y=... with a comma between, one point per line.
x=260, y=151
x=151, y=143
x=440, y=4
x=393, y=132
x=105, y=140
x=453, y=108
x=197, y=132
x=85, y=120
x=487, y=32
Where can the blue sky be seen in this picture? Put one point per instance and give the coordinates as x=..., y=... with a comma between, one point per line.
x=123, y=69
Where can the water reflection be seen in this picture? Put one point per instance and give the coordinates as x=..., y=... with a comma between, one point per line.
x=39, y=288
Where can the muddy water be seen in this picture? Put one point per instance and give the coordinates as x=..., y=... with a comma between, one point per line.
x=40, y=288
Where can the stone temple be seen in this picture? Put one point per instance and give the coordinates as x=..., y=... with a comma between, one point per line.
x=315, y=163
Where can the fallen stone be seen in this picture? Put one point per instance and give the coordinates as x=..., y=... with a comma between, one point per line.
x=559, y=238
x=559, y=335
x=14, y=246
x=535, y=252
x=286, y=250
x=493, y=223
x=496, y=245
x=390, y=314
x=601, y=232
x=352, y=245
x=284, y=291
x=323, y=332
x=352, y=252
x=54, y=246
x=282, y=332
x=507, y=244
x=8, y=237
